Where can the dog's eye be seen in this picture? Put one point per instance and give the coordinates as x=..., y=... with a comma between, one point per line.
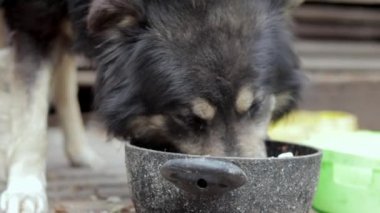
x=199, y=124
x=191, y=122
x=255, y=107
x=195, y=123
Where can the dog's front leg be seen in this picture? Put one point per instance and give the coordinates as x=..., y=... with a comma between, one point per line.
x=65, y=86
x=26, y=153
x=4, y=108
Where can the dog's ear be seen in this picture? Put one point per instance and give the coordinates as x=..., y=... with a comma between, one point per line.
x=107, y=14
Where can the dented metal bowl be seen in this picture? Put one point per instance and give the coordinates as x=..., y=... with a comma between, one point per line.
x=170, y=182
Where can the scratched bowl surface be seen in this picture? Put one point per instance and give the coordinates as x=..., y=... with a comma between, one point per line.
x=281, y=185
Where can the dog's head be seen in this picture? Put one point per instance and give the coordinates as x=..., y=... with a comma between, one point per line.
x=194, y=76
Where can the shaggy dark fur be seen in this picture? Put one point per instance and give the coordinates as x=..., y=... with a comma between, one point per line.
x=180, y=50
x=155, y=56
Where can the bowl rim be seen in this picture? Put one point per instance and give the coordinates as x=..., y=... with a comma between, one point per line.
x=316, y=154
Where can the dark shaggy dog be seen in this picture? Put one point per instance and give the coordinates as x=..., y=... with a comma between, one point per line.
x=194, y=76
x=200, y=77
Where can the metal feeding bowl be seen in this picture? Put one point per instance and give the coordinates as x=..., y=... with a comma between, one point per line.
x=166, y=182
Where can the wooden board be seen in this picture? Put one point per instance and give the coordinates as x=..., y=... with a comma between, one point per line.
x=326, y=13
x=326, y=31
x=359, y=22
x=346, y=57
x=347, y=1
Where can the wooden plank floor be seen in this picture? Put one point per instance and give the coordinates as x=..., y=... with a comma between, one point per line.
x=86, y=190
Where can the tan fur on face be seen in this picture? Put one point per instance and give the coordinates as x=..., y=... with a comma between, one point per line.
x=283, y=100
x=251, y=138
x=244, y=99
x=127, y=21
x=212, y=147
x=204, y=109
x=144, y=125
x=252, y=134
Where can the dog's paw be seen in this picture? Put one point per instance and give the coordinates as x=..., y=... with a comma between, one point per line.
x=26, y=200
x=85, y=157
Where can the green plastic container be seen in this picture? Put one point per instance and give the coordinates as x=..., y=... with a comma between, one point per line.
x=350, y=173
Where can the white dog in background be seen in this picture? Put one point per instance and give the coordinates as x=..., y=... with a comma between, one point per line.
x=23, y=126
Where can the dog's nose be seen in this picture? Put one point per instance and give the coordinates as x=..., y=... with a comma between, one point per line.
x=203, y=176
